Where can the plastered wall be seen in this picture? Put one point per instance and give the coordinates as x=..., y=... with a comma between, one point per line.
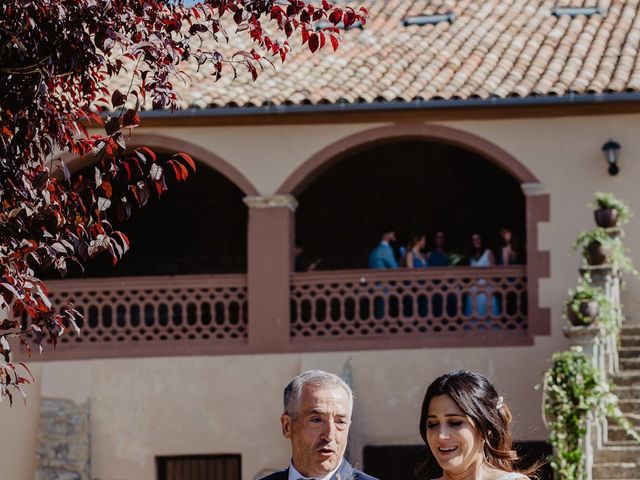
x=142, y=408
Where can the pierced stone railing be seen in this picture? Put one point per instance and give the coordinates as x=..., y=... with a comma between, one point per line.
x=432, y=306
x=140, y=316
x=333, y=310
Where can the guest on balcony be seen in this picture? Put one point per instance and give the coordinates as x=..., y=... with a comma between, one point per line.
x=510, y=252
x=382, y=256
x=438, y=257
x=415, y=258
x=480, y=256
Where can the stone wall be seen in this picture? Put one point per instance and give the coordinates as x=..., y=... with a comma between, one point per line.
x=64, y=440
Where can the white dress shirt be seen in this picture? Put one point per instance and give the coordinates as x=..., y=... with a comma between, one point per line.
x=296, y=475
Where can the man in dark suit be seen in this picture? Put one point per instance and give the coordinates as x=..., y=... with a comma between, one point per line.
x=316, y=420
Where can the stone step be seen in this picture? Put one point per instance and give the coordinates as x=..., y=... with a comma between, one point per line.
x=622, y=443
x=630, y=330
x=627, y=392
x=617, y=470
x=612, y=454
x=629, y=352
x=630, y=364
x=620, y=458
x=629, y=405
x=633, y=418
x=630, y=340
x=616, y=433
x=626, y=379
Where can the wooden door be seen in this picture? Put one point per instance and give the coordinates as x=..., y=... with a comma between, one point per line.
x=199, y=467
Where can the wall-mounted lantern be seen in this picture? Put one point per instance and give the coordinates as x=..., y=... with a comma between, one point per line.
x=611, y=151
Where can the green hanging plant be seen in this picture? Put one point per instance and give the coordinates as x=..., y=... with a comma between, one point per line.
x=598, y=247
x=586, y=295
x=573, y=387
x=608, y=201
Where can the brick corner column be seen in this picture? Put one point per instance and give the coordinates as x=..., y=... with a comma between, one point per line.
x=538, y=261
x=269, y=265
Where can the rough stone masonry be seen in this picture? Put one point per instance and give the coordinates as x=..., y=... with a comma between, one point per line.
x=64, y=441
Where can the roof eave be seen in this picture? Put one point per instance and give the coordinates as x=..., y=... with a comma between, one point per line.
x=479, y=103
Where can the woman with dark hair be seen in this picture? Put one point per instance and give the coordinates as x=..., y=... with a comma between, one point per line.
x=414, y=256
x=509, y=253
x=466, y=426
x=476, y=303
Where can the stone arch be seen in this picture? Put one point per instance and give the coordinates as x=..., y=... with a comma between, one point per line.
x=215, y=182
x=537, y=202
x=167, y=144
x=328, y=156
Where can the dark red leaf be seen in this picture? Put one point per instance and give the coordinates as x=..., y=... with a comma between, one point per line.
x=118, y=98
x=335, y=43
x=314, y=42
x=335, y=17
x=112, y=126
x=187, y=159
x=130, y=118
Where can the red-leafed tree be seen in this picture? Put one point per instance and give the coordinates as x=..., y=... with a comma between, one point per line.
x=56, y=59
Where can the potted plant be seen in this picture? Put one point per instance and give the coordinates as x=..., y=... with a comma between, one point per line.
x=610, y=211
x=587, y=304
x=598, y=247
x=582, y=306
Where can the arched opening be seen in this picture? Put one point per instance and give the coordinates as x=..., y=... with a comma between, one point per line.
x=196, y=227
x=415, y=179
x=413, y=187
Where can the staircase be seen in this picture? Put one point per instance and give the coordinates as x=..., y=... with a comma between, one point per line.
x=619, y=457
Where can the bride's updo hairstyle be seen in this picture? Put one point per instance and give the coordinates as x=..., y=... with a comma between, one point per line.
x=479, y=400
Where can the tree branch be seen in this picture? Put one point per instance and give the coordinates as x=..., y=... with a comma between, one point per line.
x=27, y=69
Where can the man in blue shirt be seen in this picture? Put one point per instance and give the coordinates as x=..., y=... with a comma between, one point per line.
x=382, y=256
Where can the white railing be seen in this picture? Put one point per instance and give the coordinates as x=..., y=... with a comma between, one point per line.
x=602, y=346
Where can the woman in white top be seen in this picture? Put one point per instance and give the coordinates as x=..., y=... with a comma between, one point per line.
x=466, y=426
x=477, y=302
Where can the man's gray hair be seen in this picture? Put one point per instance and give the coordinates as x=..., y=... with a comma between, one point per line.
x=317, y=378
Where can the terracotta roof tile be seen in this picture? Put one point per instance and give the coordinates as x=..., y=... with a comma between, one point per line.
x=492, y=48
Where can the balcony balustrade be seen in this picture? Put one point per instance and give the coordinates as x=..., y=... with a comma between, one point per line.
x=429, y=307
x=140, y=316
x=330, y=310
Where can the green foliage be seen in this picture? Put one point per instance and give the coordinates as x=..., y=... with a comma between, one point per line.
x=457, y=259
x=573, y=388
x=610, y=201
x=617, y=253
x=586, y=292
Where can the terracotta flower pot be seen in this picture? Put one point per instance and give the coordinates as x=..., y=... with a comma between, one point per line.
x=596, y=254
x=588, y=312
x=606, y=217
